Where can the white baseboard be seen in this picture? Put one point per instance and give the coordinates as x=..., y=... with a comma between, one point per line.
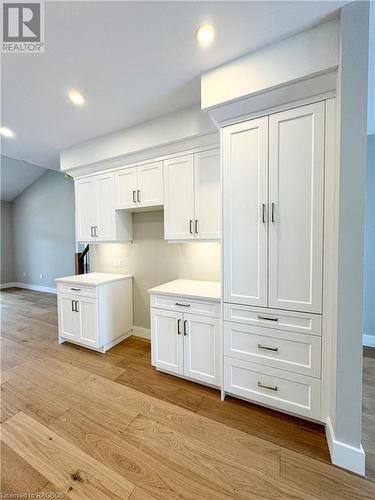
x=344, y=455
x=27, y=286
x=369, y=340
x=139, y=331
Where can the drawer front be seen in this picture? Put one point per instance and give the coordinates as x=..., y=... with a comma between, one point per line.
x=294, y=352
x=274, y=318
x=84, y=290
x=282, y=390
x=183, y=305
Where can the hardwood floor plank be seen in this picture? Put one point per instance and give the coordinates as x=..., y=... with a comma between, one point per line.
x=62, y=463
x=17, y=476
x=159, y=479
x=323, y=480
x=212, y=467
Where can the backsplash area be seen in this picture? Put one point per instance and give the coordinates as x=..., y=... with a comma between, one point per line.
x=154, y=261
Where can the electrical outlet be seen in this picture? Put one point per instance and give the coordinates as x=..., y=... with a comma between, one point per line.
x=119, y=262
x=24, y=274
x=41, y=275
x=115, y=263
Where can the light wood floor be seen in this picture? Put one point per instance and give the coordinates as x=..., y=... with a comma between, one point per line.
x=96, y=426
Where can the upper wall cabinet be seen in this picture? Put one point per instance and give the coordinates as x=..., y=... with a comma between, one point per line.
x=139, y=187
x=273, y=210
x=96, y=217
x=192, y=196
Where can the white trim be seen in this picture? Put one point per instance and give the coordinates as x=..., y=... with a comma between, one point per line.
x=369, y=340
x=139, y=331
x=27, y=286
x=345, y=455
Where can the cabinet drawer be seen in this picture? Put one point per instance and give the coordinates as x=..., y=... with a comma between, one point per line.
x=176, y=303
x=283, y=390
x=294, y=352
x=84, y=290
x=274, y=318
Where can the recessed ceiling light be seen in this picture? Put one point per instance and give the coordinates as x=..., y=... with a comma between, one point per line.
x=205, y=35
x=6, y=132
x=76, y=97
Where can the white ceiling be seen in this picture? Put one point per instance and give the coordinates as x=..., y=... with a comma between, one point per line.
x=16, y=176
x=133, y=61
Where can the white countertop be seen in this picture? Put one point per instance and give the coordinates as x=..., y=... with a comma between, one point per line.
x=190, y=288
x=93, y=278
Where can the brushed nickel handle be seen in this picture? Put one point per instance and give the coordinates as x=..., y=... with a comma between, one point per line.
x=182, y=305
x=185, y=329
x=92, y=231
x=196, y=226
x=275, y=349
x=270, y=387
x=267, y=318
x=76, y=289
x=273, y=206
x=191, y=227
x=76, y=307
x=73, y=308
x=178, y=326
x=138, y=195
x=263, y=213
x=134, y=200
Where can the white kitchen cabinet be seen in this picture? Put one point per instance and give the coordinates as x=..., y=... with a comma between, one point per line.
x=192, y=196
x=296, y=181
x=95, y=310
x=245, y=198
x=139, y=187
x=182, y=343
x=96, y=217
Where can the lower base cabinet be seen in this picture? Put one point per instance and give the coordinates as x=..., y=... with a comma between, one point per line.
x=187, y=345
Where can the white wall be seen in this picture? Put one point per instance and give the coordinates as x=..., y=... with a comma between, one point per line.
x=154, y=261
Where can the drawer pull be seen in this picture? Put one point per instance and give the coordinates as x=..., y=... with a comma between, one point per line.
x=267, y=318
x=76, y=289
x=274, y=349
x=270, y=387
x=183, y=305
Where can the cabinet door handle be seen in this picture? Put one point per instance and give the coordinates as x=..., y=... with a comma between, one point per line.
x=76, y=289
x=76, y=307
x=138, y=195
x=267, y=319
x=73, y=308
x=185, y=329
x=92, y=231
x=96, y=230
x=270, y=387
x=196, y=226
x=134, y=200
x=183, y=305
x=178, y=326
x=273, y=206
x=191, y=227
x=263, y=213
x=274, y=349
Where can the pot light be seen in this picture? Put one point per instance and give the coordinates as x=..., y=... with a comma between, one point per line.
x=6, y=132
x=205, y=35
x=76, y=97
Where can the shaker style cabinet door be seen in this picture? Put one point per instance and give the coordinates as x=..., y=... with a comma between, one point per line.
x=68, y=317
x=296, y=177
x=207, y=180
x=106, y=215
x=85, y=209
x=150, y=184
x=126, y=188
x=88, y=322
x=179, y=198
x=167, y=340
x=245, y=212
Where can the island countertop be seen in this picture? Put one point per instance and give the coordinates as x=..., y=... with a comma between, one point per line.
x=193, y=289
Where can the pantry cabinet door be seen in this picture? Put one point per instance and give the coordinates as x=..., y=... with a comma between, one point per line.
x=126, y=188
x=167, y=340
x=207, y=181
x=245, y=201
x=85, y=209
x=296, y=176
x=179, y=198
x=106, y=215
x=202, y=349
x=150, y=184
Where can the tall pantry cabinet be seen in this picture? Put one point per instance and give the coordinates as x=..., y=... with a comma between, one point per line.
x=273, y=187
